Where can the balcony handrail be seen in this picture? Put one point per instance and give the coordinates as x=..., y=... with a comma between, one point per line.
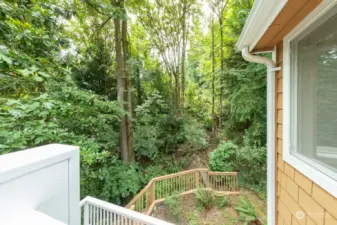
x=96, y=212
x=184, y=182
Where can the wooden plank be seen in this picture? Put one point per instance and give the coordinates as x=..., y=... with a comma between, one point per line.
x=289, y=17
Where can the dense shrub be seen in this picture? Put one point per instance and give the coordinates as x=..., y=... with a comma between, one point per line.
x=223, y=158
x=250, y=162
x=173, y=202
x=158, y=131
x=204, y=198
x=71, y=116
x=252, y=165
x=106, y=177
x=194, y=134
x=64, y=114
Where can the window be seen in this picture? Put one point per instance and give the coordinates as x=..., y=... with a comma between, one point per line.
x=310, y=97
x=314, y=85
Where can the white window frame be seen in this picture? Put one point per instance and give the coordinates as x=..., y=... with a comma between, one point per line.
x=315, y=171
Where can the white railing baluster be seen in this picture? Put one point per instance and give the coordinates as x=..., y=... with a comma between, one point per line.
x=98, y=212
x=86, y=214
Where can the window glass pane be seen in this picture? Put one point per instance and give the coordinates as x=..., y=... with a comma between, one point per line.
x=316, y=87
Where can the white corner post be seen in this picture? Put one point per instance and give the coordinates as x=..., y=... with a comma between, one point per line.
x=40, y=186
x=271, y=122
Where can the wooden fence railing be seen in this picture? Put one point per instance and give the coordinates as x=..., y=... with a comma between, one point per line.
x=182, y=183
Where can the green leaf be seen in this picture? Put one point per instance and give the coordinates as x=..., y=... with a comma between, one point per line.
x=15, y=112
x=46, y=75
x=25, y=72
x=8, y=60
x=37, y=78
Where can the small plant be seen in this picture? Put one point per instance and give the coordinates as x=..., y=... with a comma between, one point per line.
x=247, y=213
x=222, y=201
x=204, y=198
x=194, y=219
x=174, y=204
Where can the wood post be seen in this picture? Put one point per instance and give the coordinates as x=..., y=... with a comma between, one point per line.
x=150, y=195
x=197, y=179
x=237, y=183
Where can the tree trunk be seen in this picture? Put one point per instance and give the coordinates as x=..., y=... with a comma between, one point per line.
x=138, y=85
x=222, y=68
x=177, y=92
x=120, y=89
x=171, y=92
x=183, y=57
x=128, y=91
x=213, y=78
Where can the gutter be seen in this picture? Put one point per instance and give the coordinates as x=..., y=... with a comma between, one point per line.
x=271, y=122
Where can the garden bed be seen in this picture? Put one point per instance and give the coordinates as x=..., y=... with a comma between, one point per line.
x=190, y=210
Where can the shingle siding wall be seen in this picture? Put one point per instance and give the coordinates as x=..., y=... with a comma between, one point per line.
x=299, y=201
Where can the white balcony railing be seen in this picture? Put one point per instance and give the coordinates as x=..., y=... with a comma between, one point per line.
x=98, y=212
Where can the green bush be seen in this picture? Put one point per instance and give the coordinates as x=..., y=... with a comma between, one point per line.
x=252, y=167
x=250, y=162
x=106, y=177
x=69, y=115
x=205, y=198
x=159, y=132
x=194, y=134
x=222, y=201
x=223, y=158
x=174, y=204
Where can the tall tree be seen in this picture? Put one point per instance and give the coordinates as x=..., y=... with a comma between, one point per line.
x=128, y=90
x=165, y=22
x=219, y=8
x=120, y=84
x=213, y=75
x=183, y=51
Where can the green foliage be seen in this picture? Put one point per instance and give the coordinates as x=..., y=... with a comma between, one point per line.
x=250, y=162
x=153, y=124
x=246, y=212
x=223, y=158
x=154, y=171
x=205, y=198
x=61, y=115
x=194, y=218
x=246, y=109
x=147, y=127
x=174, y=204
x=106, y=177
x=194, y=134
x=222, y=200
x=58, y=85
x=252, y=167
x=30, y=43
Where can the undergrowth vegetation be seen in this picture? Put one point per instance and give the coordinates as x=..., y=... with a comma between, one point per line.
x=249, y=161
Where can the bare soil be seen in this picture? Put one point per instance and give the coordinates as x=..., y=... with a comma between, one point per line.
x=192, y=214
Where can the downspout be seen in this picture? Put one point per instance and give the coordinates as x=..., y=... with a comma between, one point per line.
x=271, y=122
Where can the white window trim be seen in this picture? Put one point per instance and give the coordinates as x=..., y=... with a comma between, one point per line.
x=308, y=167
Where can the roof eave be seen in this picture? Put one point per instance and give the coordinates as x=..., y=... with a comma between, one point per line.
x=260, y=18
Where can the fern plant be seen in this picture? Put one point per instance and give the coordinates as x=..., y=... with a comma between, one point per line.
x=222, y=201
x=174, y=204
x=205, y=198
x=247, y=213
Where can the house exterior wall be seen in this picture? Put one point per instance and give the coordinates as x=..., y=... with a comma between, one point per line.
x=299, y=201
